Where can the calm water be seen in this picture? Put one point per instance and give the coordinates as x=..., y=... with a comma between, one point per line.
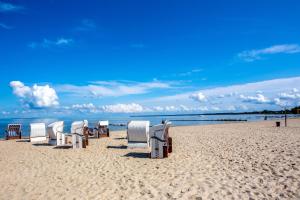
x=118, y=119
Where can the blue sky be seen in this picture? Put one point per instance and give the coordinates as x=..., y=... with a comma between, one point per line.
x=144, y=56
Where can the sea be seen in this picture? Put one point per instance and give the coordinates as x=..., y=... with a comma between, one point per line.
x=119, y=121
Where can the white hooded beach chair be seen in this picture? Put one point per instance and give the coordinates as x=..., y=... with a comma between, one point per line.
x=13, y=131
x=38, y=132
x=138, y=134
x=101, y=129
x=160, y=142
x=55, y=133
x=79, y=138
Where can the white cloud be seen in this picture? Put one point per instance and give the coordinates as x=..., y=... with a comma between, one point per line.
x=89, y=107
x=255, y=96
x=5, y=113
x=256, y=54
x=123, y=108
x=288, y=99
x=198, y=97
x=258, y=98
x=36, y=96
x=59, y=42
x=189, y=73
x=158, y=108
x=112, y=88
x=8, y=7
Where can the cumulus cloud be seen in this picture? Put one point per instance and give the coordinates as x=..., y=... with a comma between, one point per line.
x=100, y=89
x=256, y=54
x=248, y=96
x=289, y=98
x=123, y=108
x=259, y=99
x=198, y=97
x=59, y=42
x=9, y=7
x=36, y=96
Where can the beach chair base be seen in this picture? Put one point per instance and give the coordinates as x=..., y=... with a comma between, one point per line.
x=38, y=139
x=13, y=137
x=137, y=145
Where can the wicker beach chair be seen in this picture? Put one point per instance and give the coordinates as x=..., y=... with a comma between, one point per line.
x=13, y=131
x=138, y=134
x=79, y=131
x=160, y=141
x=101, y=129
x=55, y=133
x=38, y=132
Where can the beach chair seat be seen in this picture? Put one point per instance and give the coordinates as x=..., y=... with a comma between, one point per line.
x=161, y=143
x=138, y=134
x=55, y=133
x=13, y=131
x=102, y=129
x=38, y=132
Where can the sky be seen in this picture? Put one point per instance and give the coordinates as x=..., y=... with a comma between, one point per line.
x=132, y=56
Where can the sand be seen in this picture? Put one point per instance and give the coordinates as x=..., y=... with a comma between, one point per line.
x=227, y=161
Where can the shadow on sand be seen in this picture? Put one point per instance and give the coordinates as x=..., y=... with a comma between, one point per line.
x=42, y=145
x=63, y=147
x=117, y=147
x=23, y=140
x=137, y=155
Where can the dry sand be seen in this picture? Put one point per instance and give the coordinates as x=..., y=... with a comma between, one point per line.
x=228, y=161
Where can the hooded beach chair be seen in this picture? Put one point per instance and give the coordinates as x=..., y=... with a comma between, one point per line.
x=160, y=141
x=138, y=134
x=38, y=132
x=79, y=136
x=13, y=131
x=101, y=129
x=55, y=133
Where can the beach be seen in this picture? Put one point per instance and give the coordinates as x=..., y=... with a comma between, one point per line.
x=244, y=160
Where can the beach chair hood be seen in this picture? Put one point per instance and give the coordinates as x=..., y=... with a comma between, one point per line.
x=55, y=127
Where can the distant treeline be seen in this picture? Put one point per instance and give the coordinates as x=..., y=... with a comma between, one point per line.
x=294, y=110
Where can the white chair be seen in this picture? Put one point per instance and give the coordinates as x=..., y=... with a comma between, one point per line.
x=38, y=132
x=55, y=133
x=138, y=134
x=101, y=129
x=160, y=140
x=77, y=131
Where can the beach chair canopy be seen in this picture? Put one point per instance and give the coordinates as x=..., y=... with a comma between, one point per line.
x=160, y=131
x=103, y=123
x=53, y=128
x=77, y=127
x=86, y=123
x=37, y=132
x=138, y=131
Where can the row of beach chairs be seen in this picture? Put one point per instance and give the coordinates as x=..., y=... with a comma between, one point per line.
x=139, y=135
x=54, y=134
